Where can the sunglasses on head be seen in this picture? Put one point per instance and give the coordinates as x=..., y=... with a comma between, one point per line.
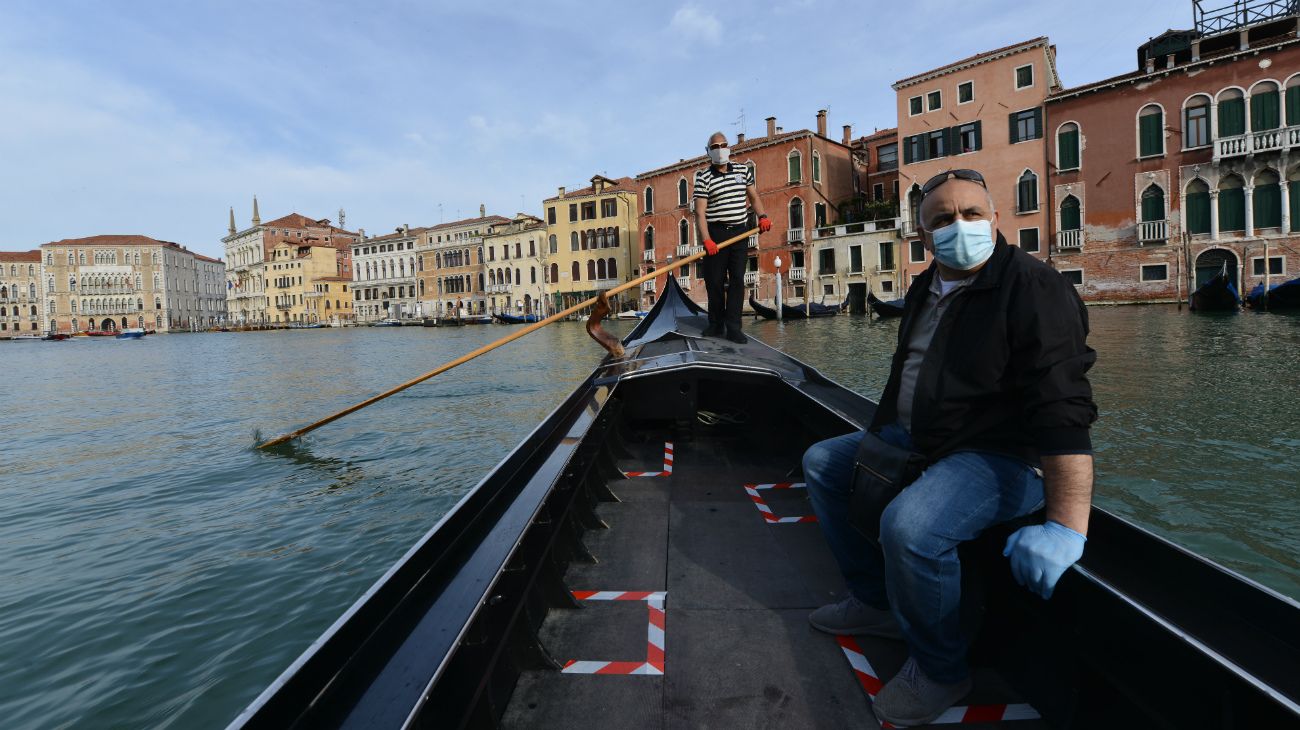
x=943, y=177
x=717, y=146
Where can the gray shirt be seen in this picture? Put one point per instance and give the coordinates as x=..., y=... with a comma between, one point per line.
x=936, y=302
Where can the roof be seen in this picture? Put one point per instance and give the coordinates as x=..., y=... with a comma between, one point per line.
x=33, y=256
x=298, y=220
x=978, y=58
x=621, y=184
x=201, y=257
x=331, y=278
x=746, y=146
x=393, y=236
x=482, y=220
x=113, y=240
x=879, y=135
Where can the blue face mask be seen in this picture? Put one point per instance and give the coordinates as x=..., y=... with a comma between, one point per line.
x=963, y=245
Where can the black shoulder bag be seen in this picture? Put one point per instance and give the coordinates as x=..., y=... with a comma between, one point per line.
x=880, y=471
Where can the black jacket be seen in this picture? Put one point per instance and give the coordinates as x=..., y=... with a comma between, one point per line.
x=1006, y=370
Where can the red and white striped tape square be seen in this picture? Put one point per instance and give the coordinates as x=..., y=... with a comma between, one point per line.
x=753, y=491
x=668, y=465
x=654, y=660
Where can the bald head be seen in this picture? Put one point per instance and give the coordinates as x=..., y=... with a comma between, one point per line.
x=717, y=137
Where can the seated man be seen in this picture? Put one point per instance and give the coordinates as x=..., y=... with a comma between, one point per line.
x=989, y=385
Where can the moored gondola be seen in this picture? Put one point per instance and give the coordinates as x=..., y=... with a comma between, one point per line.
x=1218, y=294
x=1279, y=297
x=645, y=557
x=504, y=318
x=885, y=309
x=796, y=311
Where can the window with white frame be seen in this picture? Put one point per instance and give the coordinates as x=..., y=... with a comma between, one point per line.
x=965, y=92
x=916, y=252
x=1155, y=272
x=934, y=100
x=1276, y=266
x=1027, y=192
x=1025, y=76
x=1074, y=276
x=1196, y=122
x=1028, y=239
x=914, y=106
x=816, y=166
x=794, y=161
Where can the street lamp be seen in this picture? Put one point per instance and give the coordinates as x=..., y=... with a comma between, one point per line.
x=777, y=264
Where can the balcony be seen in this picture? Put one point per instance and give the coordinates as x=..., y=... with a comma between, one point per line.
x=794, y=235
x=751, y=278
x=1254, y=143
x=883, y=268
x=648, y=285
x=499, y=288
x=1069, y=240
x=884, y=224
x=797, y=273
x=684, y=282
x=684, y=251
x=1152, y=232
x=648, y=256
x=752, y=242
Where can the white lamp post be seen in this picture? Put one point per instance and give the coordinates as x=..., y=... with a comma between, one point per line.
x=777, y=263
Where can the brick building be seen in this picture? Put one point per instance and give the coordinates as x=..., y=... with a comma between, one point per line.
x=806, y=181
x=1185, y=167
x=22, y=310
x=451, y=266
x=984, y=112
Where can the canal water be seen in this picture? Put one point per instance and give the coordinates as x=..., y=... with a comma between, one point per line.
x=159, y=572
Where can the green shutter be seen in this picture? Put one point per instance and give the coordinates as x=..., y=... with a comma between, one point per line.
x=1293, y=107
x=1232, y=209
x=1038, y=123
x=1198, y=212
x=1264, y=111
x=1151, y=135
x=1067, y=150
x=1070, y=214
x=1012, y=120
x=1267, y=202
x=1294, y=194
x=1232, y=117
x=1153, y=206
x=907, y=151
x=979, y=136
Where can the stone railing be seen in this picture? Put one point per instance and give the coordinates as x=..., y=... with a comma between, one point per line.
x=684, y=282
x=753, y=242
x=1153, y=232
x=648, y=285
x=751, y=278
x=794, y=235
x=1069, y=240
x=848, y=229
x=648, y=256
x=498, y=288
x=1254, y=143
x=797, y=273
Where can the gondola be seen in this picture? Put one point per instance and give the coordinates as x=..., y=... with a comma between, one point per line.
x=885, y=309
x=795, y=311
x=1280, y=296
x=1216, y=295
x=644, y=558
x=55, y=337
x=504, y=318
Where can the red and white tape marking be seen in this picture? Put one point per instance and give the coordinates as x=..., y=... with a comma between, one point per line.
x=753, y=491
x=871, y=684
x=668, y=465
x=654, y=659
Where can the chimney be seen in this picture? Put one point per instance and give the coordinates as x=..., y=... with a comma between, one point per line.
x=361, y=234
x=561, y=191
x=848, y=134
x=482, y=210
x=1151, y=64
x=821, y=122
x=232, y=220
x=780, y=130
x=771, y=126
x=406, y=229
x=740, y=138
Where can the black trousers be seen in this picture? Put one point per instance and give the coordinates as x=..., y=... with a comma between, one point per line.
x=724, y=276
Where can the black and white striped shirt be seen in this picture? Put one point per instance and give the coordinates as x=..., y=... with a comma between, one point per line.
x=725, y=192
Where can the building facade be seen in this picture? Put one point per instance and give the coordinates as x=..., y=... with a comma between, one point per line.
x=590, y=235
x=1185, y=168
x=117, y=282
x=304, y=287
x=846, y=261
x=805, y=179
x=385, y=277
x=22, y=304
x=248, y=252
x=516, y=266
x=452, y=277
x=985, y=113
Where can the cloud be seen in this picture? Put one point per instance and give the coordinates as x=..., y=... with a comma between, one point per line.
x=693, y=23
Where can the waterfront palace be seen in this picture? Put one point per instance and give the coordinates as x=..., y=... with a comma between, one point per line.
x=1137, y=188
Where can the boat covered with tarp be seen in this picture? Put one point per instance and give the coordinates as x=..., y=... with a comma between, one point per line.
x=647, y=557
x=1218, y=294
x=885, y=308
x=505, y=318
x=1279, y=296
x=796, y=311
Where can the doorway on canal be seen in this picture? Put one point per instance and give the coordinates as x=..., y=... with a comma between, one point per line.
x=1213, y=262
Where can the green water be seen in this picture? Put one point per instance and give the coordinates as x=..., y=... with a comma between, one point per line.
x=159, y=572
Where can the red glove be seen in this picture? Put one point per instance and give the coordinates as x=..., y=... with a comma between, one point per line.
x=764, y=224
x=710, y=246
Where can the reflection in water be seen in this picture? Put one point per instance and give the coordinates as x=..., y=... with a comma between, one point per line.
x=161, y=571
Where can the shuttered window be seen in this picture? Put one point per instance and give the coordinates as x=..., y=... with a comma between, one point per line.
x=1232, y=209
x=1025, y=125
x=1153, y=204
x=1264, y=111
x=1232, y=117
x=1294, y=194
x=1267, y=205
x=1293, y=107
x=1067, y=148
x=1151, y=132
x=1070, y=220
x=1027, y=193
x=1198, y=212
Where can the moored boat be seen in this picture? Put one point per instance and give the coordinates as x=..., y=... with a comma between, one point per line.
x=130, y=334
x=1216, y=295
x=884, y=309
x=633, y=564
x=55, y=337
x=631, y=314
x=1280, y=296
x=477, y=319
x=504, y=318
x=386, y=323
x=795, y=311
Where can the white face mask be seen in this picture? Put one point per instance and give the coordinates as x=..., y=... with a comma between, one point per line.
x=720, y=155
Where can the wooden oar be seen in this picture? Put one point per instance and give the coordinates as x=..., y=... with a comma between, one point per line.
x=494, y=345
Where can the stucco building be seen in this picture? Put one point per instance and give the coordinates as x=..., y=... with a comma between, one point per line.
x=1187, y=166
x=516, y=266
x=22, y=306
x=385, y=277
x=590, y=240
x=304, y=287
x=986, y=113
x=248, y=252
x=452, y=278
x=805, y=179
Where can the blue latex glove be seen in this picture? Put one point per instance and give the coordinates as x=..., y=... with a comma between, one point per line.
x=1041, y=553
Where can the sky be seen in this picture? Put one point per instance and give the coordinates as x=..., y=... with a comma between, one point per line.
x=156, y=118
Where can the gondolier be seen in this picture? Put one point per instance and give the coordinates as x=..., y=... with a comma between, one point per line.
x=725, y=196
x=988, y=395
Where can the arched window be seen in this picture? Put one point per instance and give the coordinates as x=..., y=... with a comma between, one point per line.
x=649, y=199
x=611, y=268
x=1027, y=192
x=1232, y=204
x=683, y=232
x=796, y=214
x=1067, y=146
x=817, y=166
x=554, y=244
x=1266, y=203
x=1232, y=113
x=532, y=274
x=649, y=238
x=1293, y=109
x=1197, y=201
x=492, y=278
x=794, y=166
x=555, y=273
x=517, y=276
x=577, y=272
x=1293, y=185
x=139, y=305
x=573, y=241
x=31, y=291
x=591, y=270
x=1196, y=121
x=1151, y=131
x=600, y=269
x=1153, y=204
x=157, y=302
x=1265, y=107
x=72, y=283
x=682, y=198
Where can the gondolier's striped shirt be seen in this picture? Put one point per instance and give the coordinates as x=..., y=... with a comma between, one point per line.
x=725, y=192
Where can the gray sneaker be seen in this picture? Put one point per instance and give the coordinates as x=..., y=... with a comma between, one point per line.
x=852, y=616
x=911, y=698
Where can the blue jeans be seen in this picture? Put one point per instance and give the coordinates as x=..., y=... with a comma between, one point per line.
x=918, y=574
